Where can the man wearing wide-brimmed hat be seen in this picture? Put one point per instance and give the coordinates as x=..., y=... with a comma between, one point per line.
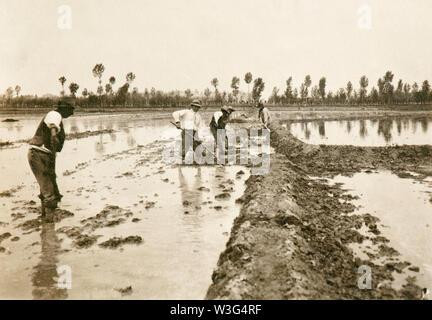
x=219, y=122
x=47, y=141
x=189, y=121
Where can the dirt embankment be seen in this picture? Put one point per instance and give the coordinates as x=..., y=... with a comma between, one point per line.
x=332, y=160
x=291, y=239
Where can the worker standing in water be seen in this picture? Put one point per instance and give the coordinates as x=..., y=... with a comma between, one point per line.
x=264, y=115
x=189, y=121
x=47, y=141
x=219, y=122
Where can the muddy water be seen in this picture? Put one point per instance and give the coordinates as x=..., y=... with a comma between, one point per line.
x=380, y=132
x=404, y=207
x=182, y=214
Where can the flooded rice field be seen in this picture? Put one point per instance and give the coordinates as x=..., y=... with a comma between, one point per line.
x=364, y=132
x=132, y=226
x=129, y=225
x=404, y=209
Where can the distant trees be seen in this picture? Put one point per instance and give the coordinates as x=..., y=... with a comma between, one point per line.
x=98, y=70
x=364, y=82
x=130, y=77
x=304, y=88
x=385, y=92
x=257, y=90
x=248, y=79
x=349, y=90
x=73, y=88
x=17, y=90
x=62, y=81
x=215, y=82
x=9, y=93
x=322, y=86
x=289, y=91
x=387, y=87
x=235, y=85
x=425, y=92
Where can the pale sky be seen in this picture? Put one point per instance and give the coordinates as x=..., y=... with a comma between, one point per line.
x=180, y=44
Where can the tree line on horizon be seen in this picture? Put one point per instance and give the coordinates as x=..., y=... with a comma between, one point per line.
x=385, y=93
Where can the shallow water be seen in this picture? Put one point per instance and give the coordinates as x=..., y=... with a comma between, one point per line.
x=184, y=227
x=404, y=208
x=382, y=132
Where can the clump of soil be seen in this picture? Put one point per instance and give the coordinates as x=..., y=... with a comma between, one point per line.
x=125, y=291
x=116, y=242
x=85, y=241
x=9, y=193
x=149, y=204
x=10, y=120
x=110, y=216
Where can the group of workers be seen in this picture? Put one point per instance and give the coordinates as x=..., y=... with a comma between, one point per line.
x=50, y=137
x=189, y=121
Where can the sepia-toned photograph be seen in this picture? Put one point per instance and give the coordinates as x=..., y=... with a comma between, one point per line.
x=195, y=150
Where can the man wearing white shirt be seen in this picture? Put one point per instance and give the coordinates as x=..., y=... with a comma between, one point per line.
x=219, y=122
x=189, y=121
x=47, y=141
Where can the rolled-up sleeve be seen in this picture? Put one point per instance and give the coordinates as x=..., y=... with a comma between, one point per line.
x=178, y=114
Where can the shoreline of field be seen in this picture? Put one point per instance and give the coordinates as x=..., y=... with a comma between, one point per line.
x=239, y=107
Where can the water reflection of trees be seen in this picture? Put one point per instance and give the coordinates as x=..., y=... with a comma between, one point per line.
x=384, y=128
x=44, y=277
x=424, y=124
x=348, y=126
x=321, y=129
x=305, y=129
x=363, y=130
x=131, y=140
x=399, y=126
x=99, y=146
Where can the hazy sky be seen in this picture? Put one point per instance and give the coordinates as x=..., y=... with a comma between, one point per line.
x=179, y=44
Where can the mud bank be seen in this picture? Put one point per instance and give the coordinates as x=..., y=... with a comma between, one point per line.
x=330, y=160
x=293, y=237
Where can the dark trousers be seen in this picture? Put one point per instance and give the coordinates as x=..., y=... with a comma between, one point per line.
x=43, y=166
x=214, y=132
x=189, y=141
